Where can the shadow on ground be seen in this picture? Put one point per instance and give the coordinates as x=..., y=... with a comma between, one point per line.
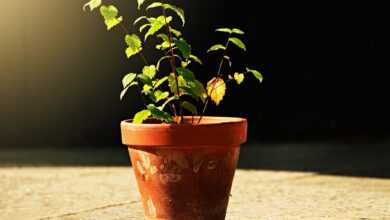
x=349, y=159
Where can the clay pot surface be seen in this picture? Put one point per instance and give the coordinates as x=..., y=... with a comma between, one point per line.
x=185, y=171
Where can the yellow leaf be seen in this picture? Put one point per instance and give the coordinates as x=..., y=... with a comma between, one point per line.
x=216, y=89
x=239, y=77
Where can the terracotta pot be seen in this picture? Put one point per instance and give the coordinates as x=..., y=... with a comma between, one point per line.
x=185, y=172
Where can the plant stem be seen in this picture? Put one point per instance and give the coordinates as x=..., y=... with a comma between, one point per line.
x=140, y=53
x=173, y=109
x=172, y=62
x=142, y=96
x=223, y=57
x=142, y=56
x=218, y=75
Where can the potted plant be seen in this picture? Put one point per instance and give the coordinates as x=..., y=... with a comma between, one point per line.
x=184, y=165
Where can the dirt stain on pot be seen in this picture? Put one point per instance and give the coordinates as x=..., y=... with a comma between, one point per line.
x=169, y=178
x=140, y=168
x=197, y=164
x=172, y=167
x=212, y=164
x=153, y=170
x=151, y=208
x=145, y=167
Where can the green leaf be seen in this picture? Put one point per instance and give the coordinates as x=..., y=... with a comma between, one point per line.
x=196, y=59
x=149, y=71
x=238, y=43
x=110, y=14
x=201, y=90
x=177, y=10
x=237, y=31
x=157, y=24
x=92, y=4
x=124, y=91
x=165, y=44
x=140, y=2
x=175, y=32
x=170, y=99
x=172, y=83
x=160, y=60
x=184, y=64
x=141, y=29
x=165, y=58
x=134, y=45
x=154, y=5
x=140, y=19
x=226, y=30
x=146, y=89
x=187, y=74
x=110, y=23
x=216, y=89
x=159, y=114
x=141, y=116
x=184, y=48
x=160, y=82
x=196, y=90
x=163, y=37
x=216, y=47
x=256, y=74
x=239, y=77
x=228, y=59
x=160, y=95
x=189, y=107
x=129, y=78
x=145, y=79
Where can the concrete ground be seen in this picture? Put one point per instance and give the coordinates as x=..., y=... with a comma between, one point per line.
x=312, y=181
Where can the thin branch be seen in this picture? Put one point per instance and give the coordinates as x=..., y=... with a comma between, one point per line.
x=142, y=96
x=140, y=53
x=223, y=56
x=172, y=62
x=218, y=75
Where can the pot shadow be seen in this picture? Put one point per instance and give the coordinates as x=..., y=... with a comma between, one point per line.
x=64, y=156
x=367, y=159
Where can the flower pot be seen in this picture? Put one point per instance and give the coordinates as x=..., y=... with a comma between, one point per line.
x=185, y=171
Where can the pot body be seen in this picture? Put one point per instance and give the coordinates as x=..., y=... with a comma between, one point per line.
x=185, y=172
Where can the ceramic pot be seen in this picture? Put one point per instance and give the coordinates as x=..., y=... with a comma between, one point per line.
x=185, y=171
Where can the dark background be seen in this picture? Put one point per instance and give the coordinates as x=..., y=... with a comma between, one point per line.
x=324, y=64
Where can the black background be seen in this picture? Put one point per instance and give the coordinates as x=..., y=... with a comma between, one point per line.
x=324, y=65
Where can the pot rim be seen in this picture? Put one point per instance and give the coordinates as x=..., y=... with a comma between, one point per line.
x=206, y=121
x=212, y=131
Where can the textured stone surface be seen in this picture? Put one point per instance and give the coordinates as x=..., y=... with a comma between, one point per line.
x=108, y=193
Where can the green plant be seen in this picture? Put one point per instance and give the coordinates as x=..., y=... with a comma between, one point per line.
x=167, y=96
